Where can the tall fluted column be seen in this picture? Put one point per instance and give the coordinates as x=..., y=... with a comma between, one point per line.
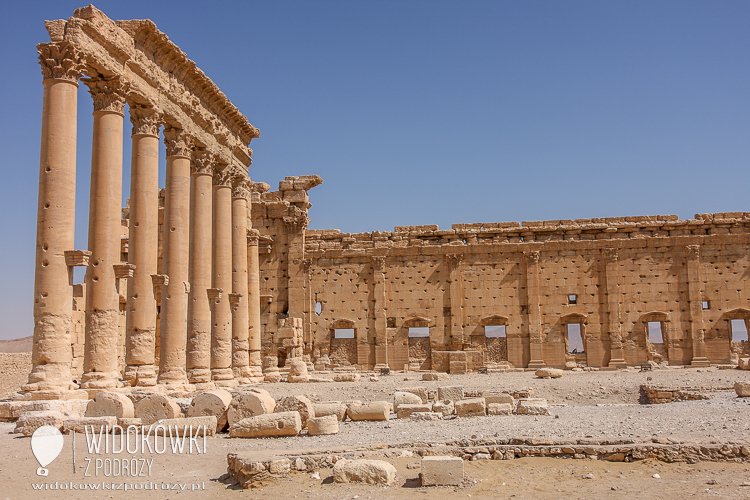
x=62, y=65
x=142, y=247
x=239, y=296
x=199, y=306
x=253, y=303
x=221, y=320
x=102, y=298
x=533, y=293
x=617, y=354
x=174, y=296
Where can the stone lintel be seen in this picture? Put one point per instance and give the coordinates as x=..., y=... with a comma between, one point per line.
x=77, y=258
x=124, y=270
x=160, y=279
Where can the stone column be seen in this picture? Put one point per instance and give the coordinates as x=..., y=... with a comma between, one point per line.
x=695, y=299
x=296, y=224
x=456, y=319
x=239, y=297
x=221, y=320
x=533, y=292
x=100, y=368
x=143, y=248
x=62, y=65
x=379, y=304
x=253, y=303
x=174, y=296
x=199, y=306
x=617, y=355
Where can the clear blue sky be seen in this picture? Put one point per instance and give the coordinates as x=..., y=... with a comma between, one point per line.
x=430, y=112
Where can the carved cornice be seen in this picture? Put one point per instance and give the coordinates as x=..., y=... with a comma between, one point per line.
x=611, y=254
x=145, y=119
x=252, y=237
x=223, y=175
x=178, y=142
x=241, y=187
x=693, y=251
x=61, y=60
x=297, y=219
x=108, y=93
x=203, y=162
x=532, y=256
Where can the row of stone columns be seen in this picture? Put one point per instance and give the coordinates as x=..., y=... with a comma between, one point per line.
x=206, y=307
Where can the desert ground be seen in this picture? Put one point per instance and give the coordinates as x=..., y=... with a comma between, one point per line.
x=593, y=405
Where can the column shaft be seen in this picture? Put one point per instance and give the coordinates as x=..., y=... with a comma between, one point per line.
x=695, y=299
x=239, y=297
x=100, y=368
x=143, y=249
x=533, y=292
x=253, y=303
x=617, y=355
x=53, y=293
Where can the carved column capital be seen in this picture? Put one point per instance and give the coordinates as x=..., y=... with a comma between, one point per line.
x=378, y=263
x=692, y=251
x=178, y=142
x=611, y=254
x=297, y=219
x=223, y=176
x=532, y=256
x=241, y=187
x=454, y=260
x=108, y=93
x=61, y=61
x=252, y=237
x=203, y=162
x=145, y=119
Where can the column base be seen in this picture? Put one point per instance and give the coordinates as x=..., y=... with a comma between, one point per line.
x=61, y=395
x=204, y=386
x=226, y=383
x=140, y=375
x=537, y=363
x=255, y=371
x=199, y=376
x=100, y=380
x=700, y=361
x=175, y=377
x=617, y=363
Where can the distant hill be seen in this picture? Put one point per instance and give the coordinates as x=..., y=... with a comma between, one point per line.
x=17, y=345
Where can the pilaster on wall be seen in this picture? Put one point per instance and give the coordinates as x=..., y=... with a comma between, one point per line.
x=614, y=327
x=695, y=294
x=456, y=302
x=533, y=292
x=379, y=312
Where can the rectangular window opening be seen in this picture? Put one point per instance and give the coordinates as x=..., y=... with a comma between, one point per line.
x=419, y=332
x=343, y=333
x=739, y=330
x=655, y=334
x=494, y=331
x=572, y=299
x=705, y=304
x=318, y=308
x=575, y=340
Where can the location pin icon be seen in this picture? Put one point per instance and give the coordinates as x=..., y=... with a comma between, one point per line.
x=46, y=444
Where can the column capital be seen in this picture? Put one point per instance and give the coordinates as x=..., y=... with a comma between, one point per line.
x=146, y=119
x=252, y=237
x=108, y=93
x=454, y=260
x=611, y=254
x=61, y=61
x=178, y=142
x=297, y=220
x=692, y=251
x=203, y=162
x=532, y=256
x=241, y=186
x=378, y=263
x=223, y=175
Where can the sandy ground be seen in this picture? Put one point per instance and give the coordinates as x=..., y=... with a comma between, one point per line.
x=588, y=404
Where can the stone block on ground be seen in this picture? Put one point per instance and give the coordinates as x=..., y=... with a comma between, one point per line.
x=442, y=471
x=453, y=392
x=428, y=377
x=126, y=422
x=156, y=407
x=742, y=389
x=324, y=409
x=319, y=426
x=287, y=423
x=549, y=373
x=445, y=406
x=110, y=404
x=364, y=471
x=405, y=411
x=301, y=404
x=499, y=409
x=426, y=415
x=30, y=421
x=346, y=377
x=475, y=407
x=458, y=367
x=249, y=403
x=377, y=410
x=405, y=398
x=81, y=424
x=189, y=426
x=498, y=397
x=532, y=406
x=297, y=371
x=744, y=364
x=418, y=391
x=212, y=403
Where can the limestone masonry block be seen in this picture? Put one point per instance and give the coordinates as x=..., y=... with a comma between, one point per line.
x=742, y=389
x=549, y=373
x=212, y=403
x=346, y=377
x=475, y=407
x=30, y=421
x=364, y=471
x=426, y=415
x=445, y=406
x=319, y=426
x=301, y=404
x=405, y=410
x=458, y=367
x=498, y=397
x=324, y=409
x=442, y=471
x=532, y=406
x=419, y=391
x=185, y=426
x=435, y=376
x=744, y=364
x=297, y=371
x=499, y=409
x=156, y=407
x=453, y=392
x=377, y=410
x=81, y=423
x=287, y=423
x=405, y=398
x=113, y=404
x=249, y=403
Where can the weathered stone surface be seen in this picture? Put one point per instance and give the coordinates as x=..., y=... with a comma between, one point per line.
x=405, y=410
x=113, y=404
x=364, y=471
x=569, y=365
x=498, y=397
x=549, y=373
x=30, y=421
x=11, y=410
x=95, y=423
x=405, y=398
x=319, y=426
x=475, y=407
x=249, y=403
x=323, y=409
x=532, y=406
x=418, y=391
x=442, y=471
x=426, y=415
x=743, y=364
x=378, y=410
x=269, y=425
x=297, y=371
x=346, y=377
x=454, y=392
x=742, y=389
x=212, y=403
x=185, y=426
x=446, y=407
x=300, y=404
x=156, y=407
x=499, y=409
x=435, y=376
